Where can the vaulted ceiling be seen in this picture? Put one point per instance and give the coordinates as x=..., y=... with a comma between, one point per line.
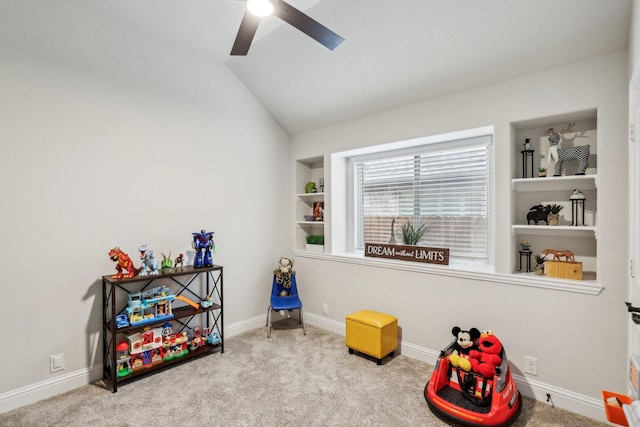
x=396, y=52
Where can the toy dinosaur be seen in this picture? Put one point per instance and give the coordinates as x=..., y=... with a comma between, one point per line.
x=166, y=264
x=123, y=263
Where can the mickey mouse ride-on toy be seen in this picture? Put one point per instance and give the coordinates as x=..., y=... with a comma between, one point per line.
x=474, y=393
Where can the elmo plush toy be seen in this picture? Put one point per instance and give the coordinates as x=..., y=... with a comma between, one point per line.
x=485, y=361
x=466, y=341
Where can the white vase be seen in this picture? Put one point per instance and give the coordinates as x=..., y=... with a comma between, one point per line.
x=314, y=248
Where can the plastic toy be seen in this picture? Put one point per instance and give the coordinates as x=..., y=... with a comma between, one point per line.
x=149, y=261
x=469, y=398
x=122, y=321
x=207, y=302
x=213, y=338
x=179, y=260
x=146, y=348
x=188, y=301
x=149, y=306
x=123, y=359
x=204, y=245
x=123, y=263
x=196, y=340
x=166, y=265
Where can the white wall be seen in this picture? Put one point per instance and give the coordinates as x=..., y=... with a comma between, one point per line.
x=578, y=339
x=147, y=149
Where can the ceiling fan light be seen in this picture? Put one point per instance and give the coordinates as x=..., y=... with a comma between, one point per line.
x=260, y=8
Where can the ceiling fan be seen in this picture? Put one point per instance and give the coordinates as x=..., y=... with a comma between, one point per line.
x=289, y=14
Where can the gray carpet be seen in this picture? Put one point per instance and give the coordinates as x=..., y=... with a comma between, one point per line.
x=288, y=379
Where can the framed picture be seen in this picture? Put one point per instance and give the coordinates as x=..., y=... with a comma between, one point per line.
x=318, y=211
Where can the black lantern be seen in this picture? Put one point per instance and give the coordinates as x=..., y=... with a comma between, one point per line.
x=527, y=154
x=577, y=208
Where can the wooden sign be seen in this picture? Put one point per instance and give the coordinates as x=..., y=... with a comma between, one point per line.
x=407, y=253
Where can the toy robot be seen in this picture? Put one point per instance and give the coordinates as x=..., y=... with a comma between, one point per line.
x=149, y=261
x=204, y=245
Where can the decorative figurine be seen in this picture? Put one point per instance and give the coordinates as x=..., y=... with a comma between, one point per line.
x=538, y=213
x=568, y=255
x=166, y=264
x=559, y=155
x=392, y=239
x=149, y=261
x=123, y=263
x=527, y=144
x=310, y=187
x=204, y=245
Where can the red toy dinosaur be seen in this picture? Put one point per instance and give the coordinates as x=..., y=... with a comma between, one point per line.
x=123, y=263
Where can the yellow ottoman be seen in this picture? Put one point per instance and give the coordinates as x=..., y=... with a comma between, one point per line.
x=372, y=333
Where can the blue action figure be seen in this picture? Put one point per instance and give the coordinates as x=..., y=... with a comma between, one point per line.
x=203, y=242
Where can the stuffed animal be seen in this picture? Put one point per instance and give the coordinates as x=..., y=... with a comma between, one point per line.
x=283, y=273
x=488, y=358
x=466, y=341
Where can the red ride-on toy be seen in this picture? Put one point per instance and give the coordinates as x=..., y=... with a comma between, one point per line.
x=470, y=398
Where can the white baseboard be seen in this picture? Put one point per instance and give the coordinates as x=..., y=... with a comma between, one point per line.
x=560, y=398
x=45, y=389
x=63, y=383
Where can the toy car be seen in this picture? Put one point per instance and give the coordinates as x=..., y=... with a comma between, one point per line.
x=121, y=321
x=469, y=398
x=213, y=338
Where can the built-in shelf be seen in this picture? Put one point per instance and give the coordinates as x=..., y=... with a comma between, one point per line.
x=555, y=230
x=308, y=170
x=529, y=191
x=555, y=183
x=311, y=197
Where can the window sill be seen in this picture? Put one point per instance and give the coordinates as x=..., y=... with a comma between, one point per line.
x=468, y=271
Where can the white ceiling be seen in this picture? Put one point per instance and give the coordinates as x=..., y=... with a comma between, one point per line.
x=396, y=52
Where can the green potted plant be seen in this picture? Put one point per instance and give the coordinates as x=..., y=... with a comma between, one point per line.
x=554, y=216
x=315, y=243
x=542, y=172
x=540, y=259
x=412, y=233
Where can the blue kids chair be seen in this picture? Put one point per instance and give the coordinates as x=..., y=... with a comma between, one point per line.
x=289, y=301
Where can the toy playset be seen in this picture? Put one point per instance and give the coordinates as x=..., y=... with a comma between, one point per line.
x=149, y=306
x=153, y=346
x=471, y=383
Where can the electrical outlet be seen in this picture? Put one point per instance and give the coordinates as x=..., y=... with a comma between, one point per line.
x=325, y=309
x=57, y=362
x=531, y=365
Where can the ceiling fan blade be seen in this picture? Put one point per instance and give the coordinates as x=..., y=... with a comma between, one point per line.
x=247, y=30
x=307, y=25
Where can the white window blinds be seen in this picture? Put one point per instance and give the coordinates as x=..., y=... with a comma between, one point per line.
x=444, y=185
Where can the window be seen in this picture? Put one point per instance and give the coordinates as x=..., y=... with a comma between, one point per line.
x=442, y=184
